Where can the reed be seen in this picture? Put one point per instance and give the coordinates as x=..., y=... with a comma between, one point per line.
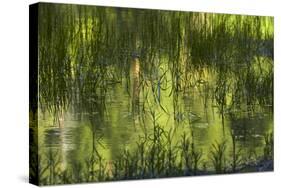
x=218, y=156
x=151, y=159
x=86, y=52
x=236, y=153
x=269, y=147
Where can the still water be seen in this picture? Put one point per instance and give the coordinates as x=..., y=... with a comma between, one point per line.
x=122, y=121
x=122, y=82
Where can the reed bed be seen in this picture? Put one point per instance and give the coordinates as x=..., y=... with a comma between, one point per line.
x=154, y=157
x=86, y=51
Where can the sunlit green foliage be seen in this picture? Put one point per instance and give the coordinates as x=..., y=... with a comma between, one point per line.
x=158, y=60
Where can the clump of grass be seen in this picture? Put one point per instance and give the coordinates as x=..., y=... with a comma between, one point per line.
x=185, y=150
x=190, y=156
x=49, y=173
x=218, y=156
x=268, y=152
x=155, y=156
x=171, y=155
x=236, y=153
x=196, y=158
x=77, y=172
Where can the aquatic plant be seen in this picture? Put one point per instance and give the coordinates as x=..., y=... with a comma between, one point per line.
x=218, y=156
x=88, y=53
x=236, y=153
x=269, y=147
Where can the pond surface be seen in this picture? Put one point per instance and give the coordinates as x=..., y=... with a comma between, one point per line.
x=122, y=122
x=117, y=84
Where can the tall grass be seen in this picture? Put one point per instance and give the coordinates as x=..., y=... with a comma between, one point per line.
x=151, y=158
x=82, y=51
x=85, y=51
x=269, y=147
x=218, y=156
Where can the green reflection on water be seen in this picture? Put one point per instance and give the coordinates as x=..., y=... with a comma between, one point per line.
x=110, y=76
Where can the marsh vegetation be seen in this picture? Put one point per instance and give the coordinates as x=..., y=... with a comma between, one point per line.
x=133, y=94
